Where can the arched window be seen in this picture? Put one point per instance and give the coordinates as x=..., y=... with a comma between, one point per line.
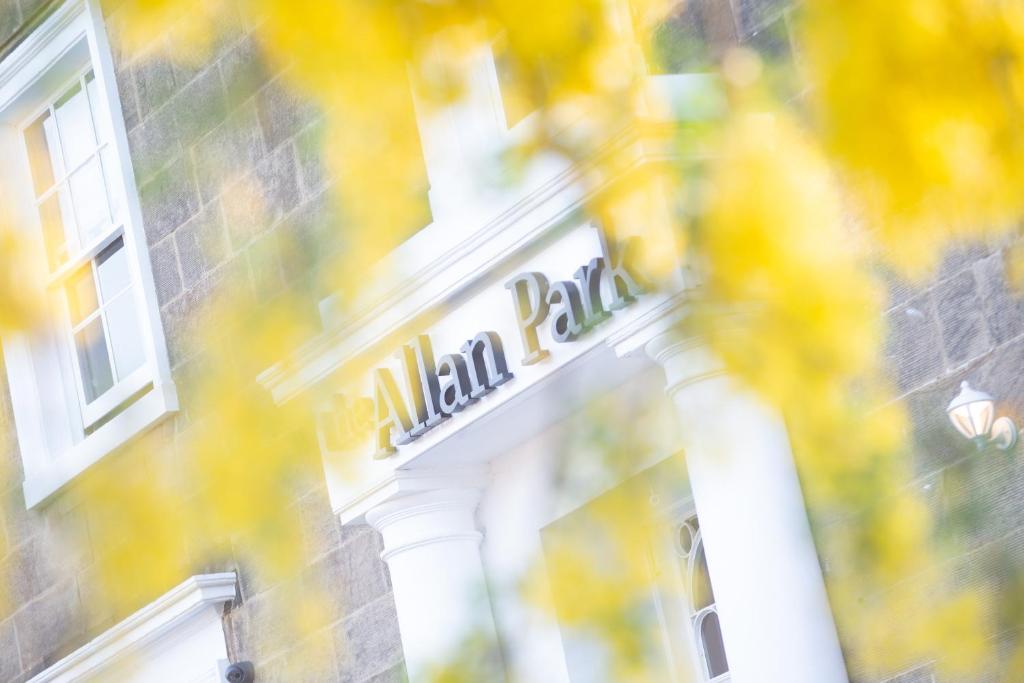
x=702, y=609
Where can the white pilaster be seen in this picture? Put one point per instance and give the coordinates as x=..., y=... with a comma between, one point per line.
x=432, y=548
x=770, y=592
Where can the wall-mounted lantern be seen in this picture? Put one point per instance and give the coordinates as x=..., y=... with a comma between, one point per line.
x=972, y=412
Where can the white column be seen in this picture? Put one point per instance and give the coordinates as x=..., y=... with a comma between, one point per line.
x=432, y=548
x=769, y=589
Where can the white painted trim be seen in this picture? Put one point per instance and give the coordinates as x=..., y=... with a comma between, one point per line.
x=155, y=621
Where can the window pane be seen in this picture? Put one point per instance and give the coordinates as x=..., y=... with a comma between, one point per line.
x=125, y=341
x=90, y=199
x=684, y=539
x=75, y=126
x=43, y=156
x=93, y=361
x=112, y=267
x=701, y=582
x=714, y=648
x=53, y=147
x=54, y=237
x=81, y=295
x=115, y=191
x=99, y=121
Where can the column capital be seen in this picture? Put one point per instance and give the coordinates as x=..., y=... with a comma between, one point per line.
x=685, y=360
x=413, y=504
x=418, y=519
x=666, y=344
x=405, y=481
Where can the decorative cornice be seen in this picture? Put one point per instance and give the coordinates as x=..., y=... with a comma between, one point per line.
x=154, y=621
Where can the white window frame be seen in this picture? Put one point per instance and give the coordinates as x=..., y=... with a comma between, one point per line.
x=59, y=433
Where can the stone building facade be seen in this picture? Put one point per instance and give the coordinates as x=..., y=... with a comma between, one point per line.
x=179, y=120
x=189, y=123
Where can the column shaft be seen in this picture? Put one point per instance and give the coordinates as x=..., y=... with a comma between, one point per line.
x=776, y=621
x=432, y=548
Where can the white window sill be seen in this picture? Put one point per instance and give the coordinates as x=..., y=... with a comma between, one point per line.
x=156, y=405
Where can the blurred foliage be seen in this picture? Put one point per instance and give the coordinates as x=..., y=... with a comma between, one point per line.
x=903, y=136
x=919, y=104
